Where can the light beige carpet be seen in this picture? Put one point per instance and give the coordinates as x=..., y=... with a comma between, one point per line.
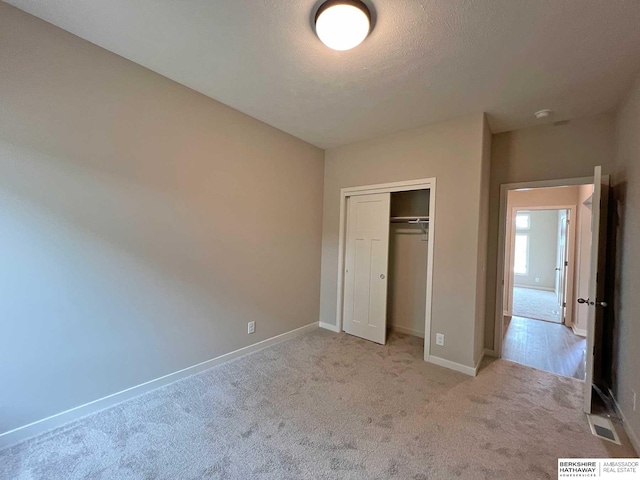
x=327, y=406
x=536, y=304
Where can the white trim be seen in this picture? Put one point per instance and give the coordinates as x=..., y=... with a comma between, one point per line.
x=418, y=184
x=578, y=331
x=502, y=228
x=489, y=353
x=546, y=289
x=430, y=250
x=408, y=185
x=635, y=441
x=328, y=326
x=458, y=367
x=24, y=432
x=406, y=330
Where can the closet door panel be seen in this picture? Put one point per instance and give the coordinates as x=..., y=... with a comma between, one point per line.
x=362, y=274
x=367, y=253
x=378, y=298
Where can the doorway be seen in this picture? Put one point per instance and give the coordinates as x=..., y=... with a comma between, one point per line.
x=365, y=258
x=542, y=262
x=595, y=302
x=596, y=219
x=540, y=282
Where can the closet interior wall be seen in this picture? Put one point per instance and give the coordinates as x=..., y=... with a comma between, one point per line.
x=406, y=301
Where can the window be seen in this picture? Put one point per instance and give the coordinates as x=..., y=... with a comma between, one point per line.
x=523, y=221
x=521, y=248
x=521, y=254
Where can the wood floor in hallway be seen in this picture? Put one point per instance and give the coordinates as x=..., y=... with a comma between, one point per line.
x=544, y=345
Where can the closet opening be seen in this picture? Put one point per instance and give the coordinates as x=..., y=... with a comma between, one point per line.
x=408, y=252
x=385, y=261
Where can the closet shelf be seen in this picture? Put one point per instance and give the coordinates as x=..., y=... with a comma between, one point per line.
x=417, y=219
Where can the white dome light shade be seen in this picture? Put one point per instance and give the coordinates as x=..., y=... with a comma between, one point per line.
x=342, y=25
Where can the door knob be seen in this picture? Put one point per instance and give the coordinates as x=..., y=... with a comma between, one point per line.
x=589, y=302
x=382, y=276
x=558, y=269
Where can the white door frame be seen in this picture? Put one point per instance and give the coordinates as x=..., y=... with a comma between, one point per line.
x=571, y=247
x=408, y=185
x=502, y=229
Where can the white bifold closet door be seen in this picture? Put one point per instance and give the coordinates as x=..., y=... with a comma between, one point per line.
x=366, y=261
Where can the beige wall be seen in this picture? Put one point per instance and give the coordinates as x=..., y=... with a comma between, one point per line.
x=143, y=224
x=542, y=153
x=452, y=152
x=626, y=180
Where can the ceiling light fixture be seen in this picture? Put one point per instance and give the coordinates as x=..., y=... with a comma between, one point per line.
x=343, y=24
x=540, y=114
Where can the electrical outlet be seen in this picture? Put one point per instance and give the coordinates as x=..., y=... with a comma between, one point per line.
x=440, y=339
x=634, y=400
x=537, y=280
x=251, y=327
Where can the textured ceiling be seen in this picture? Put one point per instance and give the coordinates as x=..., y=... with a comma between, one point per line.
x=424, y=62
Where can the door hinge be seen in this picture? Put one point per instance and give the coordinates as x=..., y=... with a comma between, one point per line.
x=564, y=304
x=566, y=263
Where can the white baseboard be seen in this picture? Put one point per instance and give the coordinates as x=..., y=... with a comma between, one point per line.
x=635, y=441
x=458, y=367
x=406, y=330
x=329, y=326
x=578, y=331
x=490, y=353
x=546, y=289
x=24, y=432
